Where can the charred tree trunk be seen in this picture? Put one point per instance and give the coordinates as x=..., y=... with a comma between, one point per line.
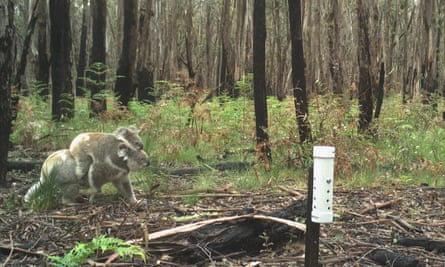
x=98, y=103
x=42, y=75
x=259, y=81
x=82, y=62
x=380, y=91
x=298, y=67
x=63, y=94
x=7, y=59
x=144, y=69
x=364, y=61
x=124, y=84
x=226, y=73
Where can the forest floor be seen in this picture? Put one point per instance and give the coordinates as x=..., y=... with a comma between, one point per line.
x=367, y=224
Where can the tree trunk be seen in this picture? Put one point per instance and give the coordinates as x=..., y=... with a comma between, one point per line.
x=42, y=75
x=226, y=71
x=428, y=52
x=82, y=62
x=19, y=76
x=63, y=94
x=7, y=59
x=365, y=98
x=144, y=69
x=98, y=103
x=298, y=68
x=335, y=61
x=189, y=40
x=124, y=84
x=259, y=81
x=380, y=91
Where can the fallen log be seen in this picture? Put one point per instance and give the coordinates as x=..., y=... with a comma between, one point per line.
x=428, y=244
x=25, y=166
x=393, y=259
x=245, y=234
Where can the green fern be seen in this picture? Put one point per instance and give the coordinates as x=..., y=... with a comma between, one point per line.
x=82, y=251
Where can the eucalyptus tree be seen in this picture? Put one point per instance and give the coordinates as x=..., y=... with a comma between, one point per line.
x=61, y=60
x=7, y=58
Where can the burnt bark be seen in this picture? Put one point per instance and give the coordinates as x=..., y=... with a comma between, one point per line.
x=365, y=97
x=7, y=59
x=144, y=69
x=63, y=94
x=82, y=61
x=380, y=91
x=428, y=244
x=124, y=84
x=98, y=102
x=259, y=81
x=242, y=236
x=298, y=74
x=389, y=258
x=43, y=64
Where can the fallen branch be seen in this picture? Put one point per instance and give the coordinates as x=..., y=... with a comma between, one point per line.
x=194, y=226
x=381, y=205
x=394, y=259
x=425, y=243
x=244, y=234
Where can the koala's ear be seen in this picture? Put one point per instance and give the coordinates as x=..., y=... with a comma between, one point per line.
x=133, y=128
x=120, y=131
x=122, y=151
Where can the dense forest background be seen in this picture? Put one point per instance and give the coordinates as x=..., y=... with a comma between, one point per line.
x=146, y=50
x=209, y=43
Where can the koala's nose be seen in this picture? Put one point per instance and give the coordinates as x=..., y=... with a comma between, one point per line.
x=147, y=163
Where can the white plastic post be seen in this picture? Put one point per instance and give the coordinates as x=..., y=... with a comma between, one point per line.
x=323, y=184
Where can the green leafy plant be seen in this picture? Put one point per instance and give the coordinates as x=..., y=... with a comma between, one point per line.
x=82, y=251
x=267, y=244
x=100, y=76
x=47, y=195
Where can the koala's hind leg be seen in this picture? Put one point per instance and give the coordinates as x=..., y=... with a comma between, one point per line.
x=93, y=182
x=125, y=188
x=69, y=193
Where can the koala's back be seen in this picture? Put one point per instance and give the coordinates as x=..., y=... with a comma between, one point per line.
x=94, y=145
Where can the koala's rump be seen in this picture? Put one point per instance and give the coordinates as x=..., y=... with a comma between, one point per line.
x=60, y=165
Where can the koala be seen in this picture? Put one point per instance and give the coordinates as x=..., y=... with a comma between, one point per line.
x=87, y=148
x=115, y=168
x=61, y=166
x=120, y=158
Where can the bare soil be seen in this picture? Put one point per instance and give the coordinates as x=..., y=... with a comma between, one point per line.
x=366, y=221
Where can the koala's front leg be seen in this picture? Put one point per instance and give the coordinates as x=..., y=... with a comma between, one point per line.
x=124, y=187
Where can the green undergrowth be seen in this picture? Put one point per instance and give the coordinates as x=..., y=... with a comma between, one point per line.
x=407, y=147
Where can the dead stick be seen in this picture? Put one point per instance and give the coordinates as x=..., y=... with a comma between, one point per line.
x=290, y=191
x=380, y=205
